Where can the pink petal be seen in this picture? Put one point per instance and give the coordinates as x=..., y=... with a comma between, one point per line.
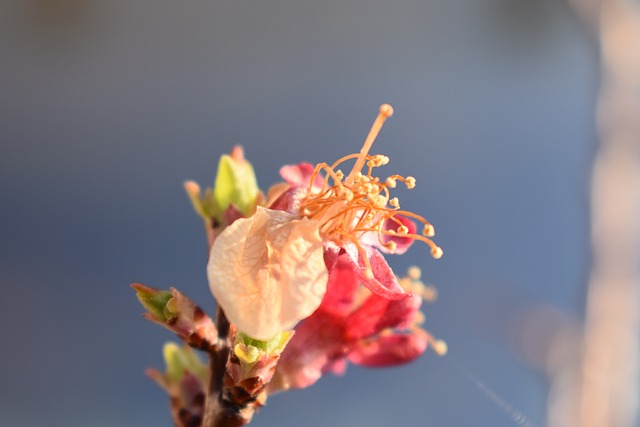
x=390, y=350
x=231, y=214
x=377, y=314
x=341, y=288
x=290, y=200
x=383, y=282
x=402, y=243
x=317, y=347
x=300, y=174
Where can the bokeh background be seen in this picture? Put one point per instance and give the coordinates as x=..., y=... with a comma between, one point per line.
x=106, y=107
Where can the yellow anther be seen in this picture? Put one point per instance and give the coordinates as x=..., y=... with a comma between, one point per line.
x=436, y=252
x=411, y=182
x=428, y=230
x=386, y=110
x=339, y=175
x=402, y=230
x=391, y=246
x=414, y=273
x=348, y=195
x=394, y=202
x=429, y=293
x=439, y=347
x=380, y=201
x=378, y=160
x=390, y=182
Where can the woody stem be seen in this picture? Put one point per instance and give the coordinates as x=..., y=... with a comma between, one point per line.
x=218, y=411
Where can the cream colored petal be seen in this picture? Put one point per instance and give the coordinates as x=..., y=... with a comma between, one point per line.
x=267, y=272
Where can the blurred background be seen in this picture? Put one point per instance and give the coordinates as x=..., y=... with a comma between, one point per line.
x=106, y=107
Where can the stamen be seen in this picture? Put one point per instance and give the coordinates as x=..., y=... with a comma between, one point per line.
x=385, y=111
x=359, y=203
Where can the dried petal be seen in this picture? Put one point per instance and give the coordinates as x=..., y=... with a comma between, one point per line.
x=267, y=272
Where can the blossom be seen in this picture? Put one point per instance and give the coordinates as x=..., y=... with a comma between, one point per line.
x=267, y=270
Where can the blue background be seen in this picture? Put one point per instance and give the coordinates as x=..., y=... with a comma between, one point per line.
x=106, y=107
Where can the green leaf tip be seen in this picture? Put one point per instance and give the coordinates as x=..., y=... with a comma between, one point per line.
x=180, y=359
x=154, y=300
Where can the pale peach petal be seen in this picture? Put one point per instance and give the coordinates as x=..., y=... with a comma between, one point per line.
x=267, y=272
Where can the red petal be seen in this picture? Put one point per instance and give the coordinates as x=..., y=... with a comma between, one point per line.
x=317, y=347
x=390, y=350
x=341, y=288
x=377, y=314
x=384, y=282
x=289, y=201
x=402, y=243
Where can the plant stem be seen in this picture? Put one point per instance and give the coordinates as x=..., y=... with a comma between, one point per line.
x=218, y=411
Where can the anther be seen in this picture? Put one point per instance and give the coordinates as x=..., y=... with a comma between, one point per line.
x=403, y=230
x=428, y=230
x=439, y=347
x=348, y=195
x=414, y=272
x=391, y=246
x=390, y=182
x=436, y=252
x=386, y=110
x=411, y=182
x=394, y=202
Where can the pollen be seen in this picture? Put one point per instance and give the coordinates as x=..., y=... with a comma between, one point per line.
x=349, y=207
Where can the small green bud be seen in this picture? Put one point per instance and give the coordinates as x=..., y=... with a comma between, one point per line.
x=153, y=300
x=180, y=360
x=235, y=184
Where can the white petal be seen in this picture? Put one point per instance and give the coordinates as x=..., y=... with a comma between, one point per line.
x=267, y=272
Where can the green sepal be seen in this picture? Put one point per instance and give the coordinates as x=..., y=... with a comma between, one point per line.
x=249, y=349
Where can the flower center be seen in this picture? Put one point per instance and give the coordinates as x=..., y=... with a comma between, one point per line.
x=348, y=207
